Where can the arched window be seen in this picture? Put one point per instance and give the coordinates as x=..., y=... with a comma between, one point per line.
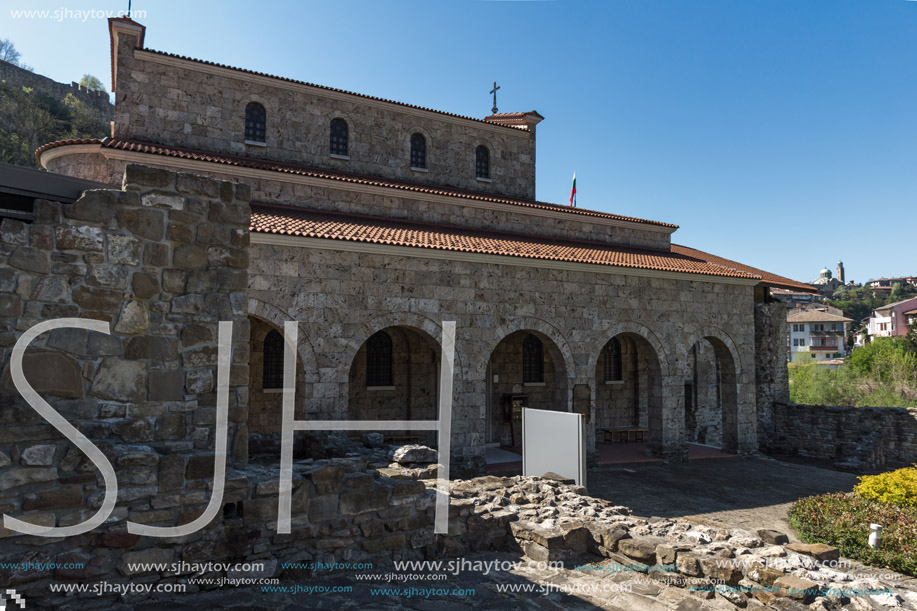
x=379, y=360
x=339, y=137
x=482, y=162
x=532, y=360
x=612, y=354
x=272, y=373
x=418, y=151
x=255, y=121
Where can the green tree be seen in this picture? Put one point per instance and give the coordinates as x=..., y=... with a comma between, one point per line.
x=85, y=121
x=8, y=53
x=91, y=83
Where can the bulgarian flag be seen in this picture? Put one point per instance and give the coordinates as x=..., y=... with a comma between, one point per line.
x=573, y=192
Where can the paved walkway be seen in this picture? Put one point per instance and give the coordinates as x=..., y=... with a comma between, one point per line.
x=745, y=493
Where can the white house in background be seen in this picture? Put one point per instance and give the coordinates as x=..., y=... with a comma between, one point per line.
x=892, y=320
x=817, y=333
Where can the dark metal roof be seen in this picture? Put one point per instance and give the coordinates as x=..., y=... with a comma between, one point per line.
x=20, y=187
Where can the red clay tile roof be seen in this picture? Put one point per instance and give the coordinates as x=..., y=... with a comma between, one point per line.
x=767, y=278
x=288, y=168
x=293, y=221
x=815, y=316
x=512, y=118
x=326, y=88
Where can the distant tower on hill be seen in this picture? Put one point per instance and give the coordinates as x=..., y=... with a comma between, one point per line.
x=840, y=272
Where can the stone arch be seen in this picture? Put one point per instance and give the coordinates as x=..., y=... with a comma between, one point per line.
x=277, y=317
x=636, y=399
x=524, y=323
x=723, y=339
x=727, y=372
x=414, y=387
x=645, y=332
x=500, y=365
x=413, y=320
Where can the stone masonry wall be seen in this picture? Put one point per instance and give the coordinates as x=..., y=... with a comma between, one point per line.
x=772, y=378
x=162, y=262
x=341, y=197
x=341, y=298
x=175, y=102
x=852, y=438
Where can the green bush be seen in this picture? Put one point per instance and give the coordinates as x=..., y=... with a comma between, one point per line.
x=880, y=374
x=895, y=487
x=843, y=520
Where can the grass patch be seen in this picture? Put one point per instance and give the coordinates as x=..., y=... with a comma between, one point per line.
x=843, y=519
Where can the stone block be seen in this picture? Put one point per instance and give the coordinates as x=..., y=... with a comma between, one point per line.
x=132, y=563
x=39, y=455
x=773, y=537
x=147, y=224
x=62, y=497
x=15, y=477
x=30, y=260
x=145, y=285
x=120, y=380
x=167, y=201
x=172, y=472
x=723, y=570
x=134, y=319
x=641, y=549
x=95, y=299
x=139, y=177
x=363, y=501
x=689, y=564
x=192, y=184
x=819, y=551
x=151, y=347
x=124, y=250
x=80, y=237
x=189, y=256
x=156, y=254
x=167, y=385
x=199, y=381
x=415, y=454
x=94, y=206
x=802, y=590
x=49, y=373
x=10, y=306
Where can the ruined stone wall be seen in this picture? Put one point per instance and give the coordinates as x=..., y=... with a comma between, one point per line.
x=772, y=378
x=170, y=101
x=852, y=438
x=19, y=77
x=161, y=263
x=275, y=187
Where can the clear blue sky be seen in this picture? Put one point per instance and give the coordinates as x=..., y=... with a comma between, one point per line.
x=780, y=133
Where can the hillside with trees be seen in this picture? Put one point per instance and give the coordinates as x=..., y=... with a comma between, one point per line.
x=30, y=117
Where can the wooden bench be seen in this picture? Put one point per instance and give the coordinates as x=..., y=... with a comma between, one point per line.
x=623, y=434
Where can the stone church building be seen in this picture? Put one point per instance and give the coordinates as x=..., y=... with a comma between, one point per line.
x=373, y=221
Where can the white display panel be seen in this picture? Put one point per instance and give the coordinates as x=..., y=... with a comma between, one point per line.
x=553, y=441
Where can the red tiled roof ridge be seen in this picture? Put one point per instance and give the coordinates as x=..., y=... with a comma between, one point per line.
x=292, y=168
x=325, y=87
x=767, y=278
x=323, y=224
x=51, y=145
x=457, y=228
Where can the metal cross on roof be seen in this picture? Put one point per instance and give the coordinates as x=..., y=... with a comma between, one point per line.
x=494, y=91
